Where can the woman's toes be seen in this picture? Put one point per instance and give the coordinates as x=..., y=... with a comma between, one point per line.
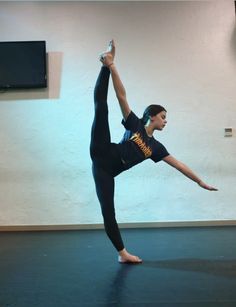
x=129, y=259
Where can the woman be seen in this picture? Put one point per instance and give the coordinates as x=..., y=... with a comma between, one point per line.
x=138, y=144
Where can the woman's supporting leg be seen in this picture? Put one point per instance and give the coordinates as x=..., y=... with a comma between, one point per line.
x=105, y=192
x=100, y=134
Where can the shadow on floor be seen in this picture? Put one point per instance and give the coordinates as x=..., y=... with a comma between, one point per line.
x=225, y=268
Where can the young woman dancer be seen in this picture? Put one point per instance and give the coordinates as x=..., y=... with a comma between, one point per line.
x=110, y=159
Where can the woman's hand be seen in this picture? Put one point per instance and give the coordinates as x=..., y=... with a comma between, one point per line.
x=207, y=187
x=106, y=58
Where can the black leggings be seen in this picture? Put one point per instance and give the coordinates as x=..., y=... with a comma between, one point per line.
x=105, y=161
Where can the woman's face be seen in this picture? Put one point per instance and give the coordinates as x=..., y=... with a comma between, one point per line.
x=159, y=121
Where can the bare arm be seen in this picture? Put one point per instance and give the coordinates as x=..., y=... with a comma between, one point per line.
x=184, y=169
x=120, y=91
x=107, y=58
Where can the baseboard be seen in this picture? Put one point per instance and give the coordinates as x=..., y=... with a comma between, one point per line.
x=170, y=224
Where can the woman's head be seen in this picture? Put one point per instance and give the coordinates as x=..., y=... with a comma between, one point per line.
x=157, y=113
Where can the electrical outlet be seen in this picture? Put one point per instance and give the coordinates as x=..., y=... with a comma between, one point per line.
x=228, y=132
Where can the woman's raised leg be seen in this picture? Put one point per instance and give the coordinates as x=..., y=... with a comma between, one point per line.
x=100, y=133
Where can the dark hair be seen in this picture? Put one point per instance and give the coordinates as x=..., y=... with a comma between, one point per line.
x=151, y=110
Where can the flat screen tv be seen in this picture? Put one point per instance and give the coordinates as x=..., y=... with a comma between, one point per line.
x=23, y=64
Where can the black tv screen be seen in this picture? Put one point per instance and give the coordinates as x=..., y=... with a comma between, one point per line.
x=23, y=64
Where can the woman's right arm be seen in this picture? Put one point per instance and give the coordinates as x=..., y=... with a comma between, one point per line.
x=120, y=91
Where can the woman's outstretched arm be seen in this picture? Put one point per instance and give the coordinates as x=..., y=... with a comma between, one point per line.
x=187, y=172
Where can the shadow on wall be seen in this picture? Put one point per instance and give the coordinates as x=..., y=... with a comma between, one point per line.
x=54, y=69
x=233, y=41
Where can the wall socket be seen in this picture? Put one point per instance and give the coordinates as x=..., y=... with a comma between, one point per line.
x=228, y=132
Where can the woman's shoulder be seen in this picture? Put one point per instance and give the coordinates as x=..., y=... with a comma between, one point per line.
x=131, y=121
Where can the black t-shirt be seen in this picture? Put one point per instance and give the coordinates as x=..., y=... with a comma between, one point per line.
x=136, y=145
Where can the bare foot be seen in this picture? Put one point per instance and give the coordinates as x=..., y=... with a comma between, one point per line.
x=125, y=257
x=107, y=58
x=111, y=48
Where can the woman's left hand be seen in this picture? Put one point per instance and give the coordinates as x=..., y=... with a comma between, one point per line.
x=207, y=187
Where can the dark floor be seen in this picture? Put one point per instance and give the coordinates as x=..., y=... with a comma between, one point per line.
x=182, y=267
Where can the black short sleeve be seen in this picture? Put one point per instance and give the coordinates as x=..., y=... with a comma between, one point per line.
x=160, y=153
x=132, y=122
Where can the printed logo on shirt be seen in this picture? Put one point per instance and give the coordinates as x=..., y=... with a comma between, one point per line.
x=137, y=139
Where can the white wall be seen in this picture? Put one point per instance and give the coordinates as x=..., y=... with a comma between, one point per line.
x=179, y=54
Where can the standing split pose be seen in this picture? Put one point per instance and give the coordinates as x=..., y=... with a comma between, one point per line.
x=110, y=159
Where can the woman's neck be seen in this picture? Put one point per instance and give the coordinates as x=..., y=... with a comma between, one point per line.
x=149, y=131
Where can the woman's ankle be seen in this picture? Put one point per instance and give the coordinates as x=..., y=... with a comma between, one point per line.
x=122, y=252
